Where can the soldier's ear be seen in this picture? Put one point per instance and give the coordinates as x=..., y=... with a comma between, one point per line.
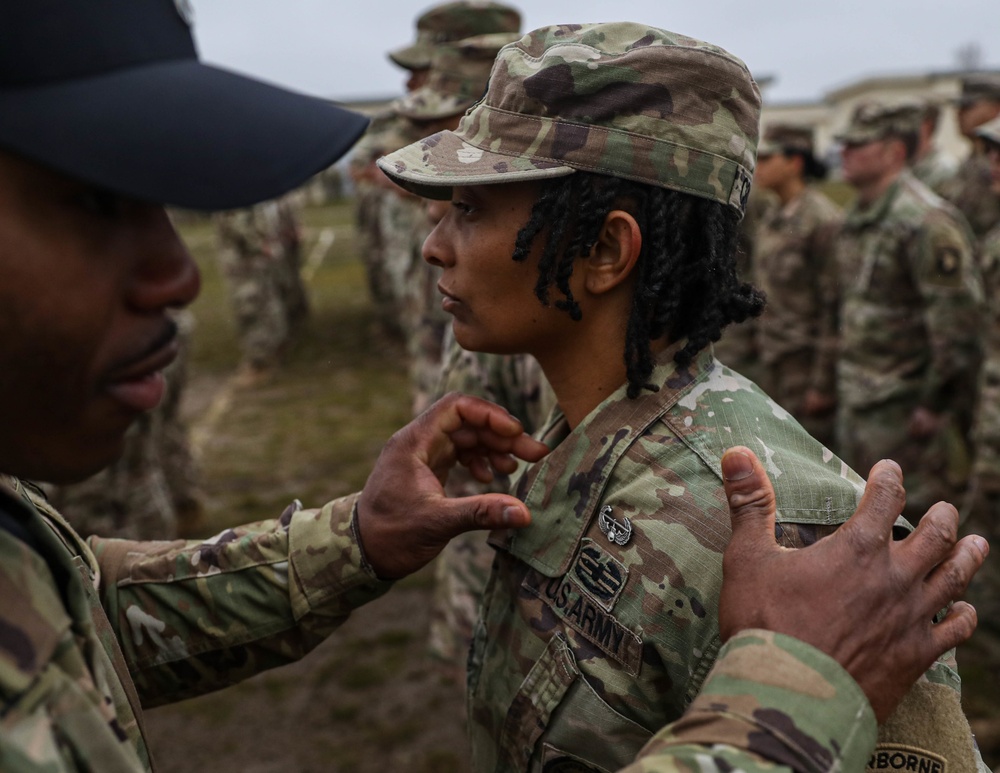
x=613, y=257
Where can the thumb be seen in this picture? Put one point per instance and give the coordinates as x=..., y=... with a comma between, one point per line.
x=484, y=511
x=752, y=506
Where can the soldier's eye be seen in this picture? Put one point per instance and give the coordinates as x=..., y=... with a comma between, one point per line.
x=463, y=207
x=101, y=202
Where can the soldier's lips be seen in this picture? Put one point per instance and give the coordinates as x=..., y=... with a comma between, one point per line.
x=138, y=383
x=449, y=303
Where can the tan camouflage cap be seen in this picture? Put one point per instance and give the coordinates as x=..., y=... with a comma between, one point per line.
x=872, y=121
x=990, y=131
x=782, y=138
x=619, y=99
x=977, y=87
x=454, y=21
x=458, y=77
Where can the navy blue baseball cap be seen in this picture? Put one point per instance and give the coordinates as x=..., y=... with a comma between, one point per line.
x=112, y=92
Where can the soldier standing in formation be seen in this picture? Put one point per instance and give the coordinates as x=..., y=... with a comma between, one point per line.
x=260, y=259
x=982, y=653
x=795, y=266
x=969, y=189
x=910, y=315
x=930, y=164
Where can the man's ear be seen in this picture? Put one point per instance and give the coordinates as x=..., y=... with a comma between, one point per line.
x=614, y=254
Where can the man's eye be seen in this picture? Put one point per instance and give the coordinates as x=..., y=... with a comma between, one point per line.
x=102, y=202
x=461, y=206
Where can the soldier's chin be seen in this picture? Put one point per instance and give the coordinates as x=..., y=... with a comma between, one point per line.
x=75, y=463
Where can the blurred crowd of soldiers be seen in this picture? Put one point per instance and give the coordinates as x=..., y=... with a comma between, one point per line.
x=880, y=334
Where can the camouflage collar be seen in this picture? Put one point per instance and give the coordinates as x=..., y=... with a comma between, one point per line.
x=858, y=218
x=580, y=466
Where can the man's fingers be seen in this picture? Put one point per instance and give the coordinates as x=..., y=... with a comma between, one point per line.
x=882, y=502
x=948, y=581
x=930, y=543
x=751, y=500
x=956, y=628
x=485, y=511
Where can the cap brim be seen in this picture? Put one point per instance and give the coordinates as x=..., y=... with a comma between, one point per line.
x=432, y=166
x=178, y=132
x=415, y=57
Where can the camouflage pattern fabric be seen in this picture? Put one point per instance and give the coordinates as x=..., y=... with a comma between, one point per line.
x=145, y=623
x=600, y=619
x=981, y=656
x=517, y=383
x=250, y=257
x=291, y=288
x=797, y=334
x=391, y=226
x=910, y=314
x=935, y=170
x=454, y=21
x=140, y=495
x=771, y=703
x=969, y=190
x=620, y=99
x=457, y=80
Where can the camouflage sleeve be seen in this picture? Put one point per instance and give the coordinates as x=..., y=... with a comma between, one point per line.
x=951, y=287
x=192, y=617
x=824, y=370
x=771, y=703
x=987, y=424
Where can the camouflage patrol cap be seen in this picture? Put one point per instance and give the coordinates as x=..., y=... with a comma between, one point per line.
x=990, y=131
x=458, y=77
x=873, y=121
x=454, y=21
x=621, y=99
x=977, y=87
x=784, y=138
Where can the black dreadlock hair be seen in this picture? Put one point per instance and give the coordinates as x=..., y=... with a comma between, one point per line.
x=686, y=286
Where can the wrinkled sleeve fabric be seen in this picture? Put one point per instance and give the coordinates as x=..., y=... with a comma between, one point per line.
x=193, y=617
x=771, y=703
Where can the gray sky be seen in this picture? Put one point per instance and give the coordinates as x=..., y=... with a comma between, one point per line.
x=337, y=49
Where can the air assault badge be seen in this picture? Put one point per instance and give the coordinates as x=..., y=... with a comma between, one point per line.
x=617, y=532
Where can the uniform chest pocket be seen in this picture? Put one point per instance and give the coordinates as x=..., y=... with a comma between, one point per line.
x=558, y=721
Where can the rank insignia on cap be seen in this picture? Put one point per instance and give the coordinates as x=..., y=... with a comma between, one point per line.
x=948, y=261
x=618, y=532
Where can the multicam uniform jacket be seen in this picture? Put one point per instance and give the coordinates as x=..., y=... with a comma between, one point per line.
x=797, y=270
x=98, y=629
x=987, y=425
x=910, y=316
x=599, y=622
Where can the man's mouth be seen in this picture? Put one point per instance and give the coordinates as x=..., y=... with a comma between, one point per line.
x=137, y=382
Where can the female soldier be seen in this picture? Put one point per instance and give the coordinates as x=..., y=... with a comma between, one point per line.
x=596, y=192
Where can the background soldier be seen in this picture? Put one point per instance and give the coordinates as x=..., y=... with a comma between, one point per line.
x=796, y=268
x=981, y=657
x=930, y=165
x=969, y=189
x=910, y=311
x=251, y=258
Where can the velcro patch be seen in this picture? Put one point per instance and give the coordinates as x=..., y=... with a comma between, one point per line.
x=898, y=757
x=579, y=611
x=602, y=575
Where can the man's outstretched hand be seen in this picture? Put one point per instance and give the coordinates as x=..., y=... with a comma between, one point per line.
x=404, y=517
x=864, y=599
